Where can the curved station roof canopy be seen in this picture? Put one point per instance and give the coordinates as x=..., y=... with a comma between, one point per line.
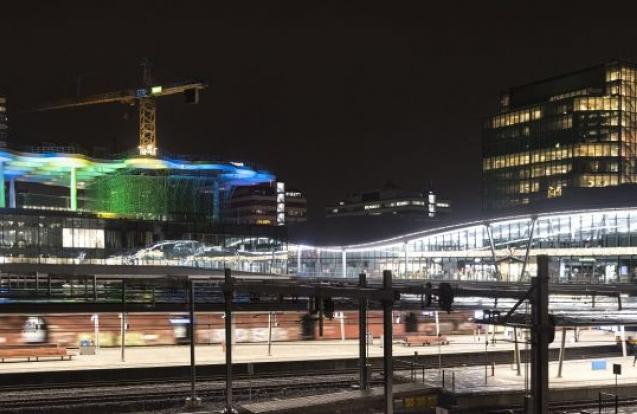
x=566, y=226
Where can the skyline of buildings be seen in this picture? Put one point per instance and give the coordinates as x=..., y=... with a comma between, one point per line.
x=551, y=139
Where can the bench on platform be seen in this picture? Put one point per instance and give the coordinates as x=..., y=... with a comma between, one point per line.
x=422, y=340
x=35, y=351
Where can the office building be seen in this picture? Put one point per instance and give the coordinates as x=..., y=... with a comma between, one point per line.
x=560, y=136
x=391, y=201
x=267, y=204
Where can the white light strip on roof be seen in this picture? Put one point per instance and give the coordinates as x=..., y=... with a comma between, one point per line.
x=398, y=241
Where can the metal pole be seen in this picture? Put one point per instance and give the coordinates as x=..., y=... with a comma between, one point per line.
x=517, y=352
x=493, y=255
x=342, y=317
x=320, y=305
x=561, y=357
x=528, y=248
x=123, y=336
x=96, y=330
x=539, y=338
x=228, y=293
x=193, y=401
x=439, y=346
x=344, y=264
x=124, y=318
x=387, y=346
x=486, y=356
x=406, y=258
x=362, y=334
x=94, y=288
x=623, y=331
x=269, y=333
x=299, y=251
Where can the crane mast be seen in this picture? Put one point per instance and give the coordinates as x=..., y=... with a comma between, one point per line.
x=146, y=99
x=147, y=118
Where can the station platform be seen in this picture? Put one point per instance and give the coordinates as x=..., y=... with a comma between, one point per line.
x=576, y=373
x=179, y=355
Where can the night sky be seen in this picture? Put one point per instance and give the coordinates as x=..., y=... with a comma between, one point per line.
x=332, y=97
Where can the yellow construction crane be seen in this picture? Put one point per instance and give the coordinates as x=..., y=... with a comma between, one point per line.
x=145, y=97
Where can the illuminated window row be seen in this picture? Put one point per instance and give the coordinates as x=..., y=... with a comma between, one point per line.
x=622, y=88
x=623, y=72
x=516, y=117
x=570, y=94
x=605, y=103
x=601, y=103
x=553, y=154
x=597, y=180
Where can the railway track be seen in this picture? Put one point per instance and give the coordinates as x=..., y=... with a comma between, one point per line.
x=181, y=379
x=139, y=395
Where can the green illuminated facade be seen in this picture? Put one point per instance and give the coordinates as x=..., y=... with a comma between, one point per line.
x=158, y=194
x=151, y=188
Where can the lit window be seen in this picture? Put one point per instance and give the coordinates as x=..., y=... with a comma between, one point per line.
x=83, y=238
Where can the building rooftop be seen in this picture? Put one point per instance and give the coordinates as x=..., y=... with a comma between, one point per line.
x=52, y=168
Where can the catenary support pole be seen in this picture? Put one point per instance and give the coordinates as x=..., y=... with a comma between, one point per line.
x=540, y=337
x=516, y=345
x=228, y=294
x=193, y=401
x=561, y=357
x=362, y=334
x=123, y=336
x=96, y=330
x=269, y=333
x=124, y=321
x=623, y=338
x=387, y=346
x=439, y=345
x=299, y=253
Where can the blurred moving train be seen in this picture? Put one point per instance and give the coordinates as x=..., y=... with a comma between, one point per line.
x=170, y=329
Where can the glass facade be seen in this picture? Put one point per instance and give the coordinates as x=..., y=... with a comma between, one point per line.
x=587, y=246
x=591, y=246
x=575, y=130
x=65, y=238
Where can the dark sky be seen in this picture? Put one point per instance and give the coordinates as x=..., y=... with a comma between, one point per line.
x=332, y=97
